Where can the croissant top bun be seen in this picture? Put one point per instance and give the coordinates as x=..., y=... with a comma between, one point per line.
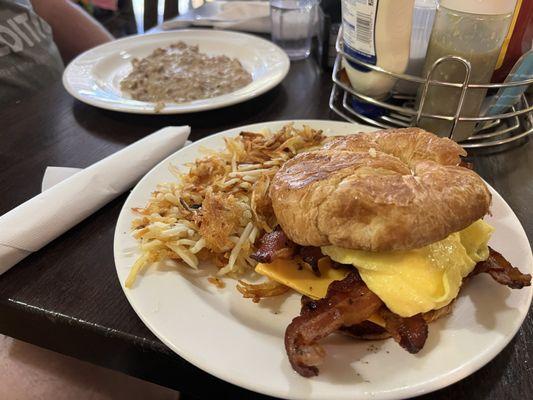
x=395, y=189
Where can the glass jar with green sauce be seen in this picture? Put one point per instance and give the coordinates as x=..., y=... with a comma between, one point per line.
x=474, y=31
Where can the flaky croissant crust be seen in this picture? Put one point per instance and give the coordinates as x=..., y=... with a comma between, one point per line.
x=390, y=190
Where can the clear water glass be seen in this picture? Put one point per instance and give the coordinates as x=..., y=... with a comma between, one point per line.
x=293, y=23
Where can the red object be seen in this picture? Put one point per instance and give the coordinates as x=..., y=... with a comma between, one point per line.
x=520, y=42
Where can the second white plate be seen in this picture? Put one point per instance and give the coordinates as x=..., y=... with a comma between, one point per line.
x=94, y=76
x=242, y=342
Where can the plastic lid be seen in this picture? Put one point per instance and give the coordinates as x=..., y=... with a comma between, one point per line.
x=490, y=7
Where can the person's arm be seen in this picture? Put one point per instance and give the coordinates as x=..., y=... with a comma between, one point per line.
x=73, y=29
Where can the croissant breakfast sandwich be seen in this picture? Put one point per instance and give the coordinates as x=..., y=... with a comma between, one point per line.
x=378, y=231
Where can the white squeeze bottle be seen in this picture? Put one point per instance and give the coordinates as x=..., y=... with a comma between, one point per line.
x=377, y=32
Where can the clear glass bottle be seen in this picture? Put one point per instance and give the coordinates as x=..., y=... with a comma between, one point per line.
x=474, y=31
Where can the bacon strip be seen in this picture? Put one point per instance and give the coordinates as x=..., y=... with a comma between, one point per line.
x=311, y=255
x=366, y=330
x=273, y=245
x=371, y=331
x=410, y=333
x=502, y=271
x=348, y=302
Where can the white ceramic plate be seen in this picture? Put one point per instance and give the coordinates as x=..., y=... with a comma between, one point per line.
x=242, y=342
x=94, y=76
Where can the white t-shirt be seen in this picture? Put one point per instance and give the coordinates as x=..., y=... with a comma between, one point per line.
x=29, y=59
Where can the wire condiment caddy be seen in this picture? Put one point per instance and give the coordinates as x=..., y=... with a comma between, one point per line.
x=401, y=110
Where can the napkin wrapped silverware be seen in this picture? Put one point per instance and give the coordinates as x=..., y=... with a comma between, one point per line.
x=30, y=226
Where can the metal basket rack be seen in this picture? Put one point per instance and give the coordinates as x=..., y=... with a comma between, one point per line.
x=402, y=111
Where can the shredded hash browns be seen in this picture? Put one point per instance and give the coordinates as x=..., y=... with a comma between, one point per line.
x=218, y=209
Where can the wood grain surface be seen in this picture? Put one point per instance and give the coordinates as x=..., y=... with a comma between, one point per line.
x=66, y=297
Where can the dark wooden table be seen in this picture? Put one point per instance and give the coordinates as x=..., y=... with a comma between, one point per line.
x=66, y=297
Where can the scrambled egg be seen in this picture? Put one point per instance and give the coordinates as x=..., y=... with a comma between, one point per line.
x=408, y=282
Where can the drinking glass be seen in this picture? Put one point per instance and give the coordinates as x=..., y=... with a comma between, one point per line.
x=293, y=23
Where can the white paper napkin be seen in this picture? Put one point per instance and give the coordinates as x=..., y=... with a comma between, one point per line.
x=54, y=175
x=38, y=221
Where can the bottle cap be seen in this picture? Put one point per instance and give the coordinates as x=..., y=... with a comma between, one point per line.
x=487, y=7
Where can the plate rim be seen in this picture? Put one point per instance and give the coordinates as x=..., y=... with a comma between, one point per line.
x=175, y=108
x=432, y=385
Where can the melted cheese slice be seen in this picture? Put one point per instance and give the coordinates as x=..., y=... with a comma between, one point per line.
x=301, y=278
x=420, y=280
x=408, y=282
x=304, y=281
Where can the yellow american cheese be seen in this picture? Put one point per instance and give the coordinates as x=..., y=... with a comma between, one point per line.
x=304, y=281
x=408, y=282
x=301, y=278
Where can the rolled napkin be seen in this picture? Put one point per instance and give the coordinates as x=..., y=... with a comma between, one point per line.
x=54, y=175
x=38, y=221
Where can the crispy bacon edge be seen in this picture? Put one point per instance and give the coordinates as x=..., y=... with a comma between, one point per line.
x=347, y=305
x=502, y=271
x=273, y=245
x=370, y=331
x=348, y=302
x=411, y=333
x=276, y=244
